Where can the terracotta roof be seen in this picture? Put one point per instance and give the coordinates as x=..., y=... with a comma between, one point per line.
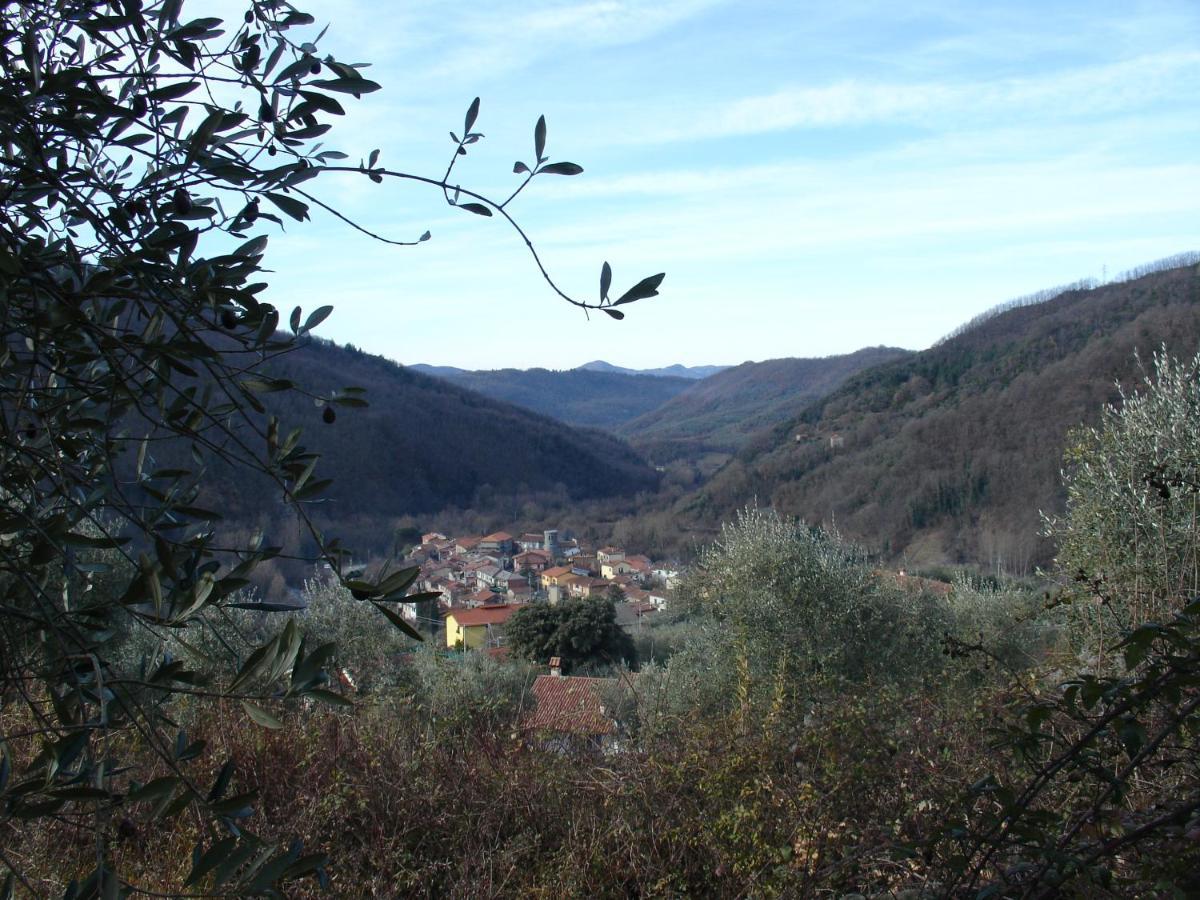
x=485, y=615
x=556, y=571
x=499, y=536
x=567, y=703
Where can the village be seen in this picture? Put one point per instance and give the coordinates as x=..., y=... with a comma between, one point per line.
x=481, y=581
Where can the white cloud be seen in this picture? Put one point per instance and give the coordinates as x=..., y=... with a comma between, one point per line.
x=1068, y=94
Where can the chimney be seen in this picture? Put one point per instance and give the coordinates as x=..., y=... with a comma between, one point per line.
x=556, y=666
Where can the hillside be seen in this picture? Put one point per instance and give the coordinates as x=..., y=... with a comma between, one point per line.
x=424, y=445
x=720, y=413
x=950, y=454
x=591, y=398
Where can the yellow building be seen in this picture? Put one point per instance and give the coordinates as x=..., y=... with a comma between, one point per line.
x=480, y=628
x=612, y=569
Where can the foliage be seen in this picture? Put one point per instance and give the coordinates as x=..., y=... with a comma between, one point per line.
x=1131, y=536
x=785, y=594
x=413, y=806
x=580, y=632
x=142, y=151
x=1102, y=790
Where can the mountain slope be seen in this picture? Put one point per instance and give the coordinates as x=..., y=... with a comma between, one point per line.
x=597, y=399
x=424, y=445
x=951, y=454
x=722, y=411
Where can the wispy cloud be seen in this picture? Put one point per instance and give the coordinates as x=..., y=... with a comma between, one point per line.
x=1064, y=95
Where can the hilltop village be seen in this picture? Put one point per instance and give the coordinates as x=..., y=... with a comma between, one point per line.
x=482, y=581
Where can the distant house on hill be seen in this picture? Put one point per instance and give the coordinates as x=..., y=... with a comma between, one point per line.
x=534, y=561
x=466, y=544
x=550, y=577
x=611, y=568
x=530, y=541
x=478, y=629
x=500, y=543
x=583, y=588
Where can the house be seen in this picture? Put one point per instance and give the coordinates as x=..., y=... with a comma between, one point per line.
x=535, y=561
x=609, y=554
x=610, y=569
x=585, y=563
x=483, y=597
x=531, y=542
x=550, y=577
x=512, y=584
x=466, y=544
x=478, y=629
x=572, y=713
x=487, y=575
x=500, y=543
x=641, y=567
x=582, y=588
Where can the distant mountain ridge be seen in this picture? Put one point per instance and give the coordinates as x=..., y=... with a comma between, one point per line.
x=720, y=413
x=580, y=397
x=673, y=371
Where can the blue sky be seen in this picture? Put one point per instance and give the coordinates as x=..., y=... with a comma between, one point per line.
x=813, y=178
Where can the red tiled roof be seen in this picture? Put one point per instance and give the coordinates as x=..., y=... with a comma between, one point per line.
x=567, y=703
x=499, y=536
x=485, y=615
x=556, y=571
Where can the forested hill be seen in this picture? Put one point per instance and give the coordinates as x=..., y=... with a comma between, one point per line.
x=424, y=445
x=599, y=399
x=951, y=454
x=719, y=413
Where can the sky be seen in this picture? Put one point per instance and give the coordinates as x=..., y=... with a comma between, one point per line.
x=812, y=178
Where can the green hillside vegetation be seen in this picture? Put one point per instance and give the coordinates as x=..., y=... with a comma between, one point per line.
x=576, y=396
x=953, y=454
x=719, y=413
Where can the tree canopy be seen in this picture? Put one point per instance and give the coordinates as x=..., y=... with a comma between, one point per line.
x=580, y=632
x=143, y=153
